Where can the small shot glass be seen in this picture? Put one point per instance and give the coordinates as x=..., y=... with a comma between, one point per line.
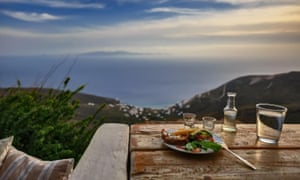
x=189, y=119
x=208, y=122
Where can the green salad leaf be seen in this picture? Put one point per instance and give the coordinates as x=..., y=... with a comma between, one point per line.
x=191, y=145
x=203, y=145
x=211, y=145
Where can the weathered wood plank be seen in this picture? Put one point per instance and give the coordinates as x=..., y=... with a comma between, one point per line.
x=147, y=136
x=167, y=164
x=106, y=155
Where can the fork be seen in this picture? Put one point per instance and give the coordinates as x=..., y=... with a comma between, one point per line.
x=220, y=141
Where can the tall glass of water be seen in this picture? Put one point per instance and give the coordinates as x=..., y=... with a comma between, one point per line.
x=269, y=121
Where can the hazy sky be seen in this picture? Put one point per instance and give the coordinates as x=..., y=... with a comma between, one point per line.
x=201, y=29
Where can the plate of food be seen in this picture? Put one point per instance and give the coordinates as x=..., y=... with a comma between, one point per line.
x=191, y=140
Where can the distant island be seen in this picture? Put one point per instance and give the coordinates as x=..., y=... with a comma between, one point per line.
x=283, y=89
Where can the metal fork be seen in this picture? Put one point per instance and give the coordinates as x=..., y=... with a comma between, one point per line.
x=220, y=141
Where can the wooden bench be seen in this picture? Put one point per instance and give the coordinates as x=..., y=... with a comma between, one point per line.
x=106, y=156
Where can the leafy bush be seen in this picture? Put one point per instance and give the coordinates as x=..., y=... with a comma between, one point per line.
x=41, y=122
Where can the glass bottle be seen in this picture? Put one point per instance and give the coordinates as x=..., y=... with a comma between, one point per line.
x=230, y=113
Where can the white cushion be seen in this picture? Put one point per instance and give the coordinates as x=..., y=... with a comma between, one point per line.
x=4, y=144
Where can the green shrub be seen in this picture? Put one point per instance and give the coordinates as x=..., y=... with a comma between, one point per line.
x=41, y=122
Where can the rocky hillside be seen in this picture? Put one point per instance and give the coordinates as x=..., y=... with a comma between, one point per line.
x=277, y=89
x=281, y=89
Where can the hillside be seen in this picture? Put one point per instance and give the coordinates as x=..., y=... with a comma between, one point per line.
x=113, y=111
x=277, y=89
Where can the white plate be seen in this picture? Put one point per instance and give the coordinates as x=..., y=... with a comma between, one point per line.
x=208, y=151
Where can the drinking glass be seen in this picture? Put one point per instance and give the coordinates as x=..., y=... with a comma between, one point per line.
x=208, y=122
x=189, y=119
x=269, y=121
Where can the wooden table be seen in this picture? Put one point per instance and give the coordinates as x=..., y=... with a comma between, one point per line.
x=150, y=159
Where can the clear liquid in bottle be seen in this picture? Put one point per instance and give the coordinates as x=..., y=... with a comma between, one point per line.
x=230, y=113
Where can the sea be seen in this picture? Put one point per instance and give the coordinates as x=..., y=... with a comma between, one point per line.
x=142, y=82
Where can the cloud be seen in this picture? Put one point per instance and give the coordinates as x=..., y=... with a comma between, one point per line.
x=239, y=1
x=154, y=2
x=162, y=1
x=256, y=32
x=130, y=1
x=247, y=1
x=31, y=17
x=174, y=10
x=58, y=4
x=262, y=2
x=61, y=4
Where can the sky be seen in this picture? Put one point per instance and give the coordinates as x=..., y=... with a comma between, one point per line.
x=195, y=29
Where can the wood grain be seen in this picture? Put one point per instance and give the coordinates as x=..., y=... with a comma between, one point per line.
x=106, y=156
x=271, y=164
x=147, y=137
